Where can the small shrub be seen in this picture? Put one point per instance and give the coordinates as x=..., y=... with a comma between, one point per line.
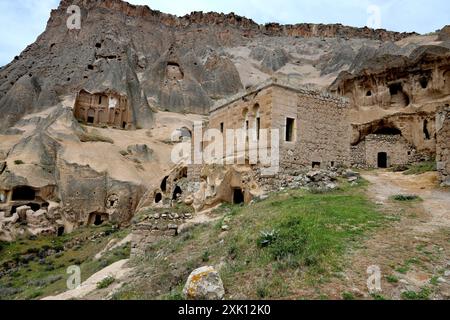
x=348, y=296
x=405, y=197
x=267, y=238
x=205, y=256
x=105, y=283
x=18, y=162
x=392, y=279
x=262, y=290
x=123, y=153
x=423, y=294
x=422, y=167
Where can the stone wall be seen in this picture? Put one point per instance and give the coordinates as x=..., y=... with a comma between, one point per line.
x=443, y=144
x=396, y=147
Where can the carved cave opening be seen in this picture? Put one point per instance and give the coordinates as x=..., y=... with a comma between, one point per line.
x=398, y=97
x=23, y=193
x=164, y=184
x=158, y=197
x=60, y=231
x=97, y=219
x=177, y=193
x=238, y=196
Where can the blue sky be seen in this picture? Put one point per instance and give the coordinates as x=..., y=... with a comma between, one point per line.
x=21, y=21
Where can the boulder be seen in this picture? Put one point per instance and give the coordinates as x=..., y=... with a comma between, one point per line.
x=350, y=174
x=204, y=284
x=22, y=212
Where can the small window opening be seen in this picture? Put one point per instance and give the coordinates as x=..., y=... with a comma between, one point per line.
x=221, y=127
x=369, y=93
x=290, y=125
x=316, y=165
x=425, y=130
x=158, y=198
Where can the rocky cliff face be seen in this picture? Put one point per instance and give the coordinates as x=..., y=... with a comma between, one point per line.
x=182, y=64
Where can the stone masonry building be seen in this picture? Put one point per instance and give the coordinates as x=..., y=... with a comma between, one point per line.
x=313, y=126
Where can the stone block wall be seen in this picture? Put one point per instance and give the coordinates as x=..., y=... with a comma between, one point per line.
x=443, y=144
x=399, y=151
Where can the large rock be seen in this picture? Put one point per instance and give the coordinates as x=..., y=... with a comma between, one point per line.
x=204, y=284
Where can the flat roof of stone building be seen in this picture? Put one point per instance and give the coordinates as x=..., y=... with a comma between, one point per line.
x=304, y=90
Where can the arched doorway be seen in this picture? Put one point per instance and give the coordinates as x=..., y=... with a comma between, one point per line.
x=382, y=160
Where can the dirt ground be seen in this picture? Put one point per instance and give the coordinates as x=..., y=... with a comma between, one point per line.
x=413, y=250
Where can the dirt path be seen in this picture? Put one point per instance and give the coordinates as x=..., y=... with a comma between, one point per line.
x=436, y=203
x=412, y=249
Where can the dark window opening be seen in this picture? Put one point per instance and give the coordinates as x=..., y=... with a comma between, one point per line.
x=316, y=165
x=246, y=125
x=290, y=125
x=258, y=127
x=61, y=231
x=100, y=100
x=90, y=67
x=221, y=127
x=425, y=130
x=90, y=120
x=184, y=173
x=395, y=88
x=124, y=125
x=238, y=196
x=158, y=198
x=23, y=193
x=388, y=131
x=423, y=82
x=164, y=184
x=369, y=93
x=382, y=160
x=332, y=164
x=177, y=193
x=98, y=45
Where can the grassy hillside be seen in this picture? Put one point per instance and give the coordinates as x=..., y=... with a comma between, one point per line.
x=34, y=268
x=293, y=241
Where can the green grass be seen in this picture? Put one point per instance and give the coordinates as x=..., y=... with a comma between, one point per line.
x=38, y=267
x=423, y=294
x=292, y=240
x=105, y=283
x=348, y=296
x=392, y=279
x=420, y=168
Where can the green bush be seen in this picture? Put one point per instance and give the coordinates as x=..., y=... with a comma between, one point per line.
x=18, y=162
x=405, y=197
x=105, y=283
